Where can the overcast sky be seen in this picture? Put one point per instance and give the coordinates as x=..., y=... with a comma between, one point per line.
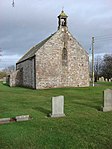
x=31, y=21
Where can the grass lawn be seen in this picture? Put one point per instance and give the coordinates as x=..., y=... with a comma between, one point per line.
x=84, y=127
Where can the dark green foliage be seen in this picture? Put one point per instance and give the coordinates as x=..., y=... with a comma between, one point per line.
x=84, y=127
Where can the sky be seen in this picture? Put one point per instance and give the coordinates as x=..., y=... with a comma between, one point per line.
x=31, y=21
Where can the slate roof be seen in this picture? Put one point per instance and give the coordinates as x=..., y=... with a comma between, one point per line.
x=34, y=49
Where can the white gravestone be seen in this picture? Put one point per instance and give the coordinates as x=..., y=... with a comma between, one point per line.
x=109, y=80
x=57, y=106
x=4, y=80
x=106, y=80
x=107, y=103
x=4, y=120
x=102, y=79
x=22, y=118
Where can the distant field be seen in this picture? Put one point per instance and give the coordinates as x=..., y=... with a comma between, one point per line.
x=84, y=127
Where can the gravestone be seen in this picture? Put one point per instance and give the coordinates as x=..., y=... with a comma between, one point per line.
x=107, y=101
x=4, y=120
x=106, y=80
x=102, y=79
x=57, y=106
x=22, y=118
x=4, y=80
x=109, y=80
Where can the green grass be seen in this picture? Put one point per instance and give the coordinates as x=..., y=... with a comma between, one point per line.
x=84, y=127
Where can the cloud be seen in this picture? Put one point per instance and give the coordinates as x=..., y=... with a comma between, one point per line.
x=32, y=21
x=8, y=60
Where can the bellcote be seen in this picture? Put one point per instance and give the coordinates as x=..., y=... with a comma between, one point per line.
x=62, y=20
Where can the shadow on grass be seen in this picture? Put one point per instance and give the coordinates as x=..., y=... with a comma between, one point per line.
x=42, y=110
x=90, y=106
x=5, y=84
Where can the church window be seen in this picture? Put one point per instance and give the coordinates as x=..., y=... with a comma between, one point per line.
x=64, y=56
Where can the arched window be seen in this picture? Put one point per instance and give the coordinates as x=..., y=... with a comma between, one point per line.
x=64, y=56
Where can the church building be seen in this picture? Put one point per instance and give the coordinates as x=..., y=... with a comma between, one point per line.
x=58, y=61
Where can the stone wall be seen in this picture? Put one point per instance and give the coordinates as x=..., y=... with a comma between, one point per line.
x=14, y=79
x=28, y=72
x=53, y=71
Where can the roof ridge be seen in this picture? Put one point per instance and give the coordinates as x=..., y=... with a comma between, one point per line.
x=31, y=52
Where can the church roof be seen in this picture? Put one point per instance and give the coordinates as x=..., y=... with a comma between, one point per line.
x=62, y=14
x=34, y=49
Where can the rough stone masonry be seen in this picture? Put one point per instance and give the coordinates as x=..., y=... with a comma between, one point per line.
x=57, y=61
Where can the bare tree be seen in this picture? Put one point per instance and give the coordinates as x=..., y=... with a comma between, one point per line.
x=97, y=67
x=2, y=74
x=13, y=3
x=9, y=69
x=106, y=67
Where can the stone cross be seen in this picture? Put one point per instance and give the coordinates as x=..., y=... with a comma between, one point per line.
x=57, y=106
x=107, y=101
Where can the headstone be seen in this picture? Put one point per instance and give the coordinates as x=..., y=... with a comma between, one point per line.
x=4, y=80
x=22, y=118
x=109, y=80
x=4, y=120
x=106, y=80
x=107, y=101
x=57, y=106
x=102, y=79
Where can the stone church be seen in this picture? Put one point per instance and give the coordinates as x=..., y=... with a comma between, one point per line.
x=58, y=61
